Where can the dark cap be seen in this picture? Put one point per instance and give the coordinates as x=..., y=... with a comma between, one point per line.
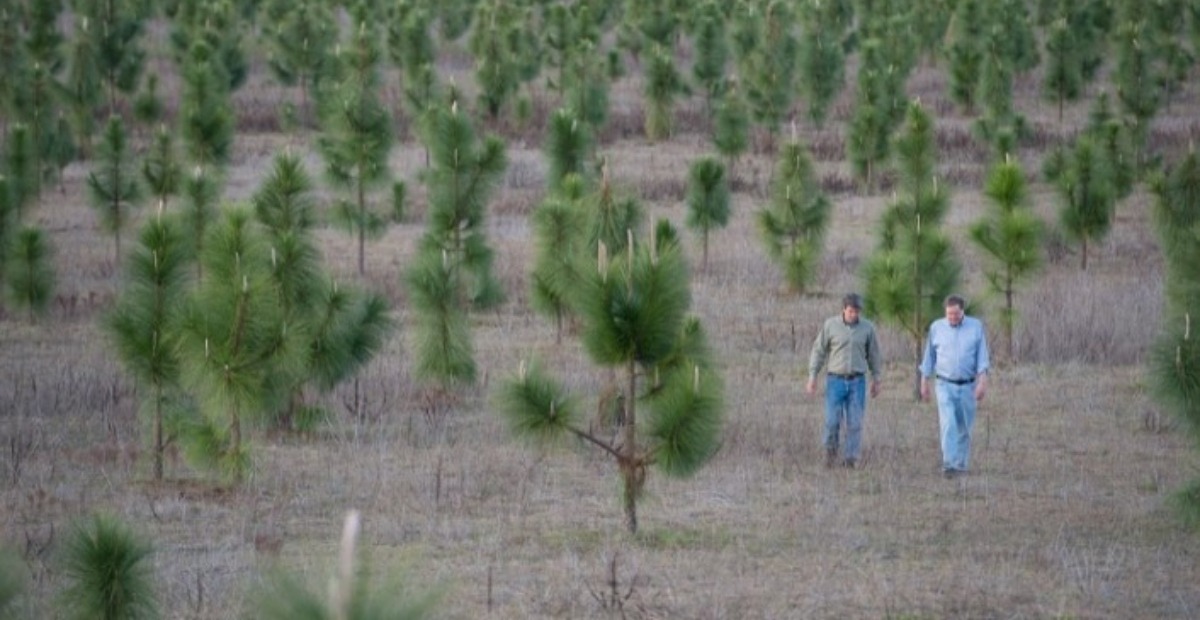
x=852, y=300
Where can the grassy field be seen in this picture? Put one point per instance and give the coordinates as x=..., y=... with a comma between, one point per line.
x=1065, y=514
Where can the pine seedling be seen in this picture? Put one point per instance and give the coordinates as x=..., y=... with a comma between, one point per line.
x=113, y=183
x=1088, y=198
x=663, y=85
x=635, y=321
x=357, y=136
x=568, y=147
x=731, y=128
x=793, y=226
x=206, y=109
x=822, y=59
x=29, y=271
x=1011, y=236
x=707, y=200
x=108, y=571
x=559, y=237
x=143, y=325
x=161, y=171
x=301, y=49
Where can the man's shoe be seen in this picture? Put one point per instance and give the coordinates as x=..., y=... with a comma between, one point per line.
x=830, y=457
x=950, y=473
x=849, y=463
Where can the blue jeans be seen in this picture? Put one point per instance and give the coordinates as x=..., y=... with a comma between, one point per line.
x=956, y=415
x=845, y=398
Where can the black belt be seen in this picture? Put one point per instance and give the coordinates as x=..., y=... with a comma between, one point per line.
x=956, y=381
x=848, y=377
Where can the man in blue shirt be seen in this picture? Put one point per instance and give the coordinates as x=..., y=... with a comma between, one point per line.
x=956, y=352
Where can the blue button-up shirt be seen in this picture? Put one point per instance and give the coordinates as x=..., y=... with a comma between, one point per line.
x=956, y=353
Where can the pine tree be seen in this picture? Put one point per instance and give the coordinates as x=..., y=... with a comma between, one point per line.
x=161, y=171
x=793, y=226
x=559, y=241
x=29, y=271
x=1136, y=80
x=914, y=267
x=1175, y=357
x=302, y=44
x=635, y=315
x=20, y=163
x=82, y=89
x=496, y=65
x=238, y=354
x=1000, y=125
x=731, y=128
x=143, y=325
x=870, y=124
x=113, y=183
x=357, y=136
x=712, y=52
x=1011, y=235
x=1088, y=199
x=1113, y=136
x=201, y=192
x=568, y=146
x=109, y=572
x=206, y=109
x=587, y=85
x=1063, y=80
x=342, y=328
x=663, y=84
x=120, y=57
x=707, y=200
x=822, y=60
x=768, y=73
x=965, y=39
x=148, y=106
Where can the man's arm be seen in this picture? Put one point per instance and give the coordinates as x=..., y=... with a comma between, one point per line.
x=875, y=363
x=928, y=361
x=816, y=359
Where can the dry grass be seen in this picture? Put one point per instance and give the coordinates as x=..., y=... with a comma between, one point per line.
x=1064, y=514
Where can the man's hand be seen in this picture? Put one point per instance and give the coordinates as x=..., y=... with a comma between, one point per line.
x=924, y=388
x=875, y=387
x=811, y=387
x=980, y=387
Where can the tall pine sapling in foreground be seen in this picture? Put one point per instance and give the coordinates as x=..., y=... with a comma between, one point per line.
x=29, y=271
x=635, y=321
x=1088, y=200
x=1175, y=357
x=143, y=326
x=707, y=200
x=914, y=267
x=109, y=572
x=357, y=135
x=793, y=226
x=113, y=183
x=1011, y=236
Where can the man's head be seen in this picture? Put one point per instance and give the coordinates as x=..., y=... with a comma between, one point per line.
x=851, y=307
x=955, y=309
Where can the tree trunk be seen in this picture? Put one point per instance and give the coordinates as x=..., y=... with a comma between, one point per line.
x=629, y=468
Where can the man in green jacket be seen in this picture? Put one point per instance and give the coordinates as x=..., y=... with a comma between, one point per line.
x=848, y=348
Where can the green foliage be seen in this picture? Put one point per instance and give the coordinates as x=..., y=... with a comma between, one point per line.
x=161, y=170
x=914, y=266
x=966, y=38
x=1136, y=78
x=206, y=109
x=9, y=225
x=634, y=310
x=822, y=59
x=301, y=44
x=113, y=183
x=708, y=199
x=497, y=60
x=29, y=271
x=712, y=51
x=537, y=407
x=793, y=226
x=731, y=127
x=120, y=58
x=201, y=191
x=460, y=181
x=877, y=109
x=560, y=242
x=663, y=83
x=610, y=220
x=444, y=350
x=148, y=106
x=1086, y=191
x=82, y=89
x=1115, y=139
x=768, y=71
x=143, y=325
x=357, y=133
x=239, y=354
x=109, y=572
x=1011, y=236
x=20, y=161
x=568, y=148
